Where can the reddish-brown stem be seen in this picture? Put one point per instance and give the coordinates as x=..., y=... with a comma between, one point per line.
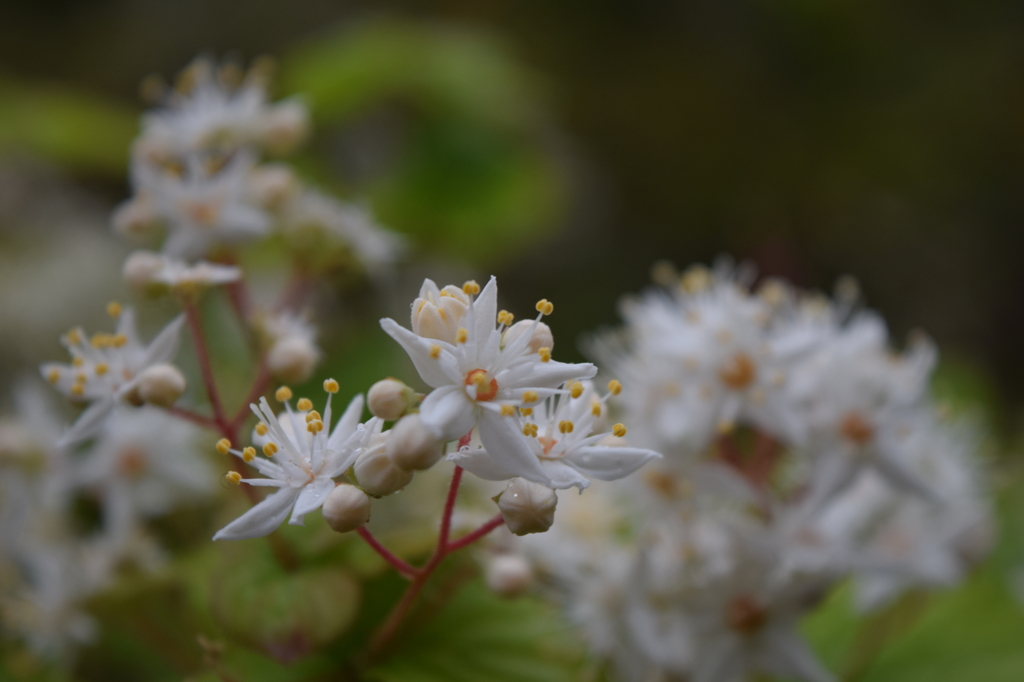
x=194, y=417
x=205, y=366
x=469, y=539
x=407, y=570
x=766, y=455
x=729, y=453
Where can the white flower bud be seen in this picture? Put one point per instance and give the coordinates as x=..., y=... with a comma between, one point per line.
x=135, y=217
x=141, y=269
x=346, y=508
x=273, y=185
x=292, y=359
x=438, y=314
x=161, y=384
x=389, y=399
x=509, y=575
x=284, y=127
x=527, y=507
x=542, y=337
x=412, y=445
x=378, y=474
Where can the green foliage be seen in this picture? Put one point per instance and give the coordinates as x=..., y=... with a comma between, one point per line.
x=75, y=129
x=479, y=637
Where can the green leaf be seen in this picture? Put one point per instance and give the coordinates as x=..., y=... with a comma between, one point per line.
x=479, y=637
x=74, y=129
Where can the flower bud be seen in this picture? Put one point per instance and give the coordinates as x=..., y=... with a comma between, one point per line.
x=412, y=445
x=542, y=337
x=273, y=185
x=346, y=508
x=527, y=507
x=438, y=314
x=509, y=575
x=284, y=127
x=292, y=359
x=141, y=269
x=161, y=385
x=389, y=399
x=378, y=474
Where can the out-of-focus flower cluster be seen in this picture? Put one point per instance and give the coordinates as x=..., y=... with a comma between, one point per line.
x=800, y=449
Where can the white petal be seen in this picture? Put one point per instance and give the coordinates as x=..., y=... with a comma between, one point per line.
x=607, y=463
x=478, y=463
x=448, y=413
x=164, y=347
x=562, y=476
x=312, y=497
x=508, y=447
x=418, y=348
x=485, y=311
x=901, y=477
x=547, y=374
x=263, y=519
x=88, y=423
x=833, y=473
x=347, y=424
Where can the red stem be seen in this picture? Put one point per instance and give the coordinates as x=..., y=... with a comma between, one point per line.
x=205, y=366
x=475, y=535
x=194, y=417
x=407, y=570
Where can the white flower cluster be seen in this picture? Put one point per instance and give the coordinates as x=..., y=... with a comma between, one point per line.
x=800, y=450
x=139, y=466
x=538, y=423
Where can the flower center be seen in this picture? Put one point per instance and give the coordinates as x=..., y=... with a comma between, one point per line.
x=486, y=387
x=132, y=463
x=546, y=443
x=746, y=616
x=738, y=372
x=856, y=429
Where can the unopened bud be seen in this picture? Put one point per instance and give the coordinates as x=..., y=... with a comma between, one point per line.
x=141, y=269
x=542, y=337
x=438, y=314
x=293, y=359
x=135, y=218
x=346, y=508
x=412, y=445
x=379, y=475
x=509, y=575
x=273, y=185
x=161, y=385
x=527, y=507
x=284, y=127
x=389, y=399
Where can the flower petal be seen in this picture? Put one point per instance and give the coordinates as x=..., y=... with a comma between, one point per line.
x=262, y=519
x=448, y=413
x=481, y=465
x=88, y=423
x=418, y=348
x=508, y=447
x=346, y=426
x=608, y=463
x=165, y=345
x=311, y=498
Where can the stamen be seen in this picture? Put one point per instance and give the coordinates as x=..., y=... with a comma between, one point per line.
x=114, y=309
x=526, y=411
x=119, y=341
x=101, y=369
x=270, y=449
x=615, y=387
x=315, y=426
x=507, y=410
x=545, y=354
x=77, y=361
x=505, y=318
x=566, y=426
x=471, y=288
x=249, y=454
x=284, y=393
x=545, y=307
x=313, y=416
x=74, y=337
x=53, y=376
x=530, y=397
x=223, y=446
x=304, y=404
x=595, y=408
x=619, y=430
x=461, y=335
x=576, y=390
x=435, y=351
x=233, y=477
x=331, y=386
x=261, y=429
x=77, y=389
x=530, y=430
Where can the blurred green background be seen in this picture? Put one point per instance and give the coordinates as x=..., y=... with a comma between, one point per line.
x=566, y=147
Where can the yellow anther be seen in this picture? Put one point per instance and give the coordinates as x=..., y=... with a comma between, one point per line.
x=119, y=341
x=526, y=411
x=470, y=288
x=576, y=390
x=507, y=410
x=261, y=429
x=74, y=337
x=545, y=354
x=304, y=404
x=619, y=430
x=566, y=426
x=282, y=394
x=270, y=449
x=101, y=369
x=315, y=426
x=77, y=361
x=81, y=378
x=223, y=445
x=460, y=336
x=313, y=416
x=53, y=376
x=545, y=307
x=77, y=389
x=530, y=430
x=233, y=477
x=530, y=397
x=435, y=351
x=249, y=454
x=114, y=309
x=505, y=317
x=101, y=340
x=595, y=408
x=331, y=386
x=615, y=387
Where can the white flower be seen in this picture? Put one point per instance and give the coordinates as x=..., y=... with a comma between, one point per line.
x=437, y=313
x=144, y=269
x=480, y=383
x=143, y=464
x=105, y=369
x=202, y=207
x=292, y=353
x=564, y=433
x=304, y=458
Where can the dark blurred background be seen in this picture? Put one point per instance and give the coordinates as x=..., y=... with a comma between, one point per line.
x=817, y=139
